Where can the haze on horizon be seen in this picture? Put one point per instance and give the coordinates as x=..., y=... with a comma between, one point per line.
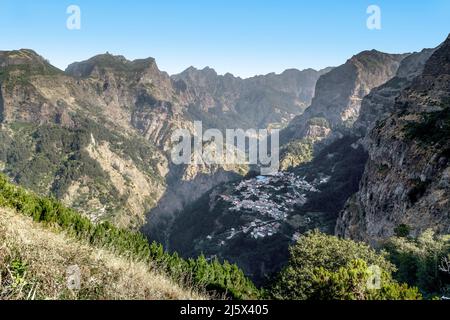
x=242, y=38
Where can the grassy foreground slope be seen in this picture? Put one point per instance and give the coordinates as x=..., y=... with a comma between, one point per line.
x=218, y=279
x=34, y=262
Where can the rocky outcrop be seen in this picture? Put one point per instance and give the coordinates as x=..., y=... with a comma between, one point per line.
x=380, y=102
x=407, y=177
x=339, y=93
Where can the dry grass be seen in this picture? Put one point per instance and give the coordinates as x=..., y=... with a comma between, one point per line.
x=34, y=262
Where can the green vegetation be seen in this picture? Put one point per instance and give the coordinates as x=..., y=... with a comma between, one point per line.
x=326, y=267
x=296, y=153
x=419, y=260
x=434, y=127
x=216, y=277
x=402, y=231
x=319, y=121
x=19, y=74
x=48, y=159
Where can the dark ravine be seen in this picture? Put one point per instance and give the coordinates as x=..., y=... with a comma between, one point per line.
x=343, y=163
x=212, y=225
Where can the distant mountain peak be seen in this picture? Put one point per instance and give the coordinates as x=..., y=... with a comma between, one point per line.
x=109, y=62
x=20, y=57
x=26, y=59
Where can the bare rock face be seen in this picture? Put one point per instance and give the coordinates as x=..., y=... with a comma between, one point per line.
x=407, y=177
x=380, y=102
x=339, y=94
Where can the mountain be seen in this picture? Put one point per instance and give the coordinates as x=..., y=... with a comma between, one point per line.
x=406, y=179
x=97, y=136
x=336, y=104
x=74, y=138
x=226, y=102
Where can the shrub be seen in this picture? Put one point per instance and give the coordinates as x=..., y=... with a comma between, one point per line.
x=326, y=267
x=419, y=260
x=402, y=230
x=351, y=282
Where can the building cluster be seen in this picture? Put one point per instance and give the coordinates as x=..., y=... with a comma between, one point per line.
x=268, y=199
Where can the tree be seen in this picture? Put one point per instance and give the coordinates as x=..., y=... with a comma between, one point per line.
x=402, y=231
x=419, y=261
x=326, y=267
x=352, y=283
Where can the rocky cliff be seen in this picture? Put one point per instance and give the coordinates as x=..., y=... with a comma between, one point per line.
x=406, y=179
x=336, y=105
x=70, y=136
x=380, y=102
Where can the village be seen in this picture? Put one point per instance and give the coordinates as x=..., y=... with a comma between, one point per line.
x=269, y=200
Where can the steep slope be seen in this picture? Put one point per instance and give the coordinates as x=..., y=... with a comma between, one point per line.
x=34, y=264
x=380, y=102
x=336, y=104
x=72, y=138
x=406, y=180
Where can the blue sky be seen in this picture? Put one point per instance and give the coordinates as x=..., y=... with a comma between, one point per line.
x=244, y=37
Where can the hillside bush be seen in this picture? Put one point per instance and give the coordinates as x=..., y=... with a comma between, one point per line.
x=328, y=268
x=419, y=261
